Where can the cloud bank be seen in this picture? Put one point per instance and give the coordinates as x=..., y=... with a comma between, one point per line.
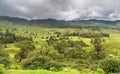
x=61, y=9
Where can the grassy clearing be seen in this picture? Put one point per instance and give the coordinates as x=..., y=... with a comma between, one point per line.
x=45, y=72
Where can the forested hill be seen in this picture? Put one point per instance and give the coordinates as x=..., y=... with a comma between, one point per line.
x=92, y=23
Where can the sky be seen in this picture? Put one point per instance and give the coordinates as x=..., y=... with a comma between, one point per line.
x=61, y=9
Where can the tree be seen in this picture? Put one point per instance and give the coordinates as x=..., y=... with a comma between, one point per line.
x=98, y=52
x=111, y=65
x=2, y=69
x=4, y=57
x=24, y=51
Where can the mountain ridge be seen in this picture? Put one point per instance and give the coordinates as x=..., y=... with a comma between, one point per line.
x=58, y=23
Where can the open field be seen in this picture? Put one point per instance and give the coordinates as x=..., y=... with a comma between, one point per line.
x=45, y=72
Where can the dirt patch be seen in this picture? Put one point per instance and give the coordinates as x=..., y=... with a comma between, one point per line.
x=9, y=73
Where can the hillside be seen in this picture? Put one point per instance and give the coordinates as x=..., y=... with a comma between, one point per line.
x=57, y=46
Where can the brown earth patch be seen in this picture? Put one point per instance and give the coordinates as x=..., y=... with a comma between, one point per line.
x=9, y=73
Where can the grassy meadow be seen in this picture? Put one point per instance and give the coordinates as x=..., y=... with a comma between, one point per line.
x=47, y=72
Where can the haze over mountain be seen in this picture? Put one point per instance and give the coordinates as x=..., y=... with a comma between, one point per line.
x=62, y=9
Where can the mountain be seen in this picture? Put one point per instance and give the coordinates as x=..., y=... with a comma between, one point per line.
x=107, y=22
x=43, y=22
x=94, y=23
x=13, y=19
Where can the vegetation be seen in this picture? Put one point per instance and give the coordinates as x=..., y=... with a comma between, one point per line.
x=2, y=69
x=111, y=65
x=35, y=47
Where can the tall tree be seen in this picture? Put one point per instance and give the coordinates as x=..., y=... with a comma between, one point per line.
x=98, y=51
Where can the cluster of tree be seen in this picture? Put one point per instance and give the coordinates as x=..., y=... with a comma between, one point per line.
x=60, y=51
x=26, y=48
x=9, y=37
x=111, y=65
x=98, y=52
x=4, y=57
x=87, y=35
x=65, y=41
x=54, y=55
x=2, y=69
x=41, y=62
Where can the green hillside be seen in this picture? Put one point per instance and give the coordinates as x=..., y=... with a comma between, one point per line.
x=59, y=47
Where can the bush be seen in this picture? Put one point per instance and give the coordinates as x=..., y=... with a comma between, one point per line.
x=15, y=67
x=35, y=63
x=53, y=69
x=99, y=70
x=41, y=62
x=87, y=71
x=111, y=65
x=5, y=61
x=2, y=69
x=53, y=65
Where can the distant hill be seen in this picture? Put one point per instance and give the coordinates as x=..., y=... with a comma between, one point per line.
x=106, y=22
x=94, y=23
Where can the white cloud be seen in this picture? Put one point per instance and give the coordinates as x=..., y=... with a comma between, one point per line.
x=61, y=9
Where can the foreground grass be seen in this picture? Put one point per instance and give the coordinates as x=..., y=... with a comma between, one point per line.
x=45, y=72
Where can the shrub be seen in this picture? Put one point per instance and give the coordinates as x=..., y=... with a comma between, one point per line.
x=53, y=69
x=41, y=62
x=15, y=67
x=111, y=65
x=86, y=71
x=99, y=70
x=35, y=63
x=2, y=69
x=52, y=64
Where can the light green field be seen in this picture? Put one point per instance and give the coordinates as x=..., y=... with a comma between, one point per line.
x=45, y=72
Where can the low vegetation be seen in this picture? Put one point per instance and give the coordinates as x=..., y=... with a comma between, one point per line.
x=31, y=49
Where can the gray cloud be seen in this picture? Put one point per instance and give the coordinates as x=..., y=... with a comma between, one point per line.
x=61, y=9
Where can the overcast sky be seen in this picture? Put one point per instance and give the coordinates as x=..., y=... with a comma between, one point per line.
x=61, y=9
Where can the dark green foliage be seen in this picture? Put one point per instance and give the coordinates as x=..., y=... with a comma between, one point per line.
x=41, y=62
x=6, y=61
x=61, y=44
x=3, y=53
x=111, y=65
x=9, y=37
x=87, y=35
x=75, y=43
x=98, y=52
x=56, y=65
x=36, y=63
x=27, y=44
x=25, y=50
x=76, y=53
x=45, y=50
x=92, y=35
x=2, y=69
x=4, y=57
x=23, y=53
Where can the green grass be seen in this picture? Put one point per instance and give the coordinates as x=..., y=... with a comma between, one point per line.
x=45, y=72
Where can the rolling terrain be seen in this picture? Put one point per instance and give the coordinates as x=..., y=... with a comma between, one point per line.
x=52, y=46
